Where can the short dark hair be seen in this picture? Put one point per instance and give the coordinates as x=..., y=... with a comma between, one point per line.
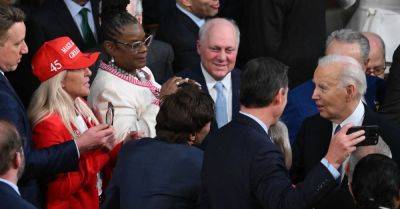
x=261, y=80
x=8, y=17
x=183, y=113
x=10, y=143
x=376, y=181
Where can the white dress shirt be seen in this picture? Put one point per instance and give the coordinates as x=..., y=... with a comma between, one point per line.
x=75, y=8
x=356, y=118
x=199, y=21
x=12, y=185
x=227, y=82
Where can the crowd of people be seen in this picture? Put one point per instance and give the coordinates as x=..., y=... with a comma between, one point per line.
x=171, y=104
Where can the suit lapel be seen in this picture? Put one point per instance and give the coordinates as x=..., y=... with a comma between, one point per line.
x=188, y=22
x=11, y=89
x=65, y=20
x=96, y=17
x=235, y=92
x=199, y=77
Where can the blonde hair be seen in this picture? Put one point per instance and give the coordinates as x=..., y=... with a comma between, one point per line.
x=51, y=98
x=280, y=136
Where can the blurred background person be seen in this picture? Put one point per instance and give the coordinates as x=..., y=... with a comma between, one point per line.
x=379, y=16
x=180, y=28
x=164, y=172
x=12, y=164
x=376, y=183
x=280, y=136
x=160, y=55
x=59, y=113
x=123, y=78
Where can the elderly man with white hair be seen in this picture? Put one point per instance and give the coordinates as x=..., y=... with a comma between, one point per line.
x=340, y=84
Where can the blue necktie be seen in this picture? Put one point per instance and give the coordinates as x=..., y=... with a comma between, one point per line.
x=221, y=114
x=337, y=129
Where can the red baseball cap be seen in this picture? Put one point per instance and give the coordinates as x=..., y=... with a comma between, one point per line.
x=58, y=55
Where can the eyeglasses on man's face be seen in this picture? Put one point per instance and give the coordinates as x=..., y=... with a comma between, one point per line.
x=135, y=46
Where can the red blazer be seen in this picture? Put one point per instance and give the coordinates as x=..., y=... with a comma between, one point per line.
x=76, y=189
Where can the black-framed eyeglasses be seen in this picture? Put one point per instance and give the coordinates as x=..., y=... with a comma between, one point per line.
x=135, y=46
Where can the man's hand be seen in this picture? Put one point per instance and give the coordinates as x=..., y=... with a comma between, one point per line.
x=343, y=145
x=100, y=136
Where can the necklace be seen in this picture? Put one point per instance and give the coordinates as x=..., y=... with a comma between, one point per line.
x=138, y=73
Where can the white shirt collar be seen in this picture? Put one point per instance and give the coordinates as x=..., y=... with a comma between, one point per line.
x=1, y=72
x=210, y=81
x=199, y=21
x=75, y=8
x=356, y=118
x=262, y=124
x=12, y=185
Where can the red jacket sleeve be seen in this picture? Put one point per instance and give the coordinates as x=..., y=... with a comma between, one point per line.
x=52, y=131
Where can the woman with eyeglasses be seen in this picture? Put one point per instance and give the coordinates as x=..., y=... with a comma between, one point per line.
x=123, y=79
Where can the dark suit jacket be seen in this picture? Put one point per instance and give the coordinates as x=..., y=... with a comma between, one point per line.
x=152, y=173
x=197, y=75
x=391, y=103
x=38, y=163
x=10, y=199
x=50, y=21
x=160, y=56
x=243, y=169
x=181, y=32
x=293, y=31
x=300, y=104
x=154, y=11
x=314, y=138
x=54, y=20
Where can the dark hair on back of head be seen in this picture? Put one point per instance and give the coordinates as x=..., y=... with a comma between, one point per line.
x=184, y=113
x=113, y=17
x=376, y=182
x=261, y=80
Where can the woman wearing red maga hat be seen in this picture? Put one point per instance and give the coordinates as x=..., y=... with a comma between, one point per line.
x=59, y=113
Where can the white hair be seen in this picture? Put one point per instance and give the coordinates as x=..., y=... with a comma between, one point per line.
x=352, y=72
x=280, y=136
x=362, y=151
x=207, y=25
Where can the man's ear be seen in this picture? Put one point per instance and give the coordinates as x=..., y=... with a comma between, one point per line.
x=280, y=96
x=350, y=92
x=17, y=162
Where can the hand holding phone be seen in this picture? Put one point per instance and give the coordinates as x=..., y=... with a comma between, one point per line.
x=372, y=133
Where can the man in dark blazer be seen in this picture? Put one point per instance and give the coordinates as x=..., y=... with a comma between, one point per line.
x=160, y=56
x=292, y=31
x=43, y=163
x=391, y=104
x=218, y=65
x=340, y=84
x=243, y=168
x=341, y=42
x=11, y=167
x=181, y=28
x=52, y=20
